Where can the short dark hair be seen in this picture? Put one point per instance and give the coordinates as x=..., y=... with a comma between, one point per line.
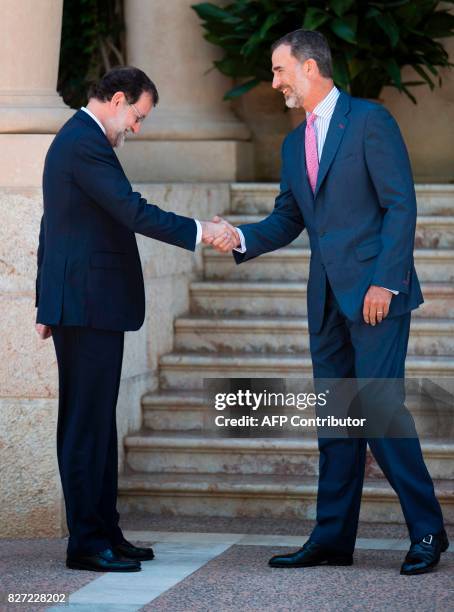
x=307, y=44
x=128, y=79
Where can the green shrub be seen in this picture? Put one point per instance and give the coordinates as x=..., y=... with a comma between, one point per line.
x=371, y=41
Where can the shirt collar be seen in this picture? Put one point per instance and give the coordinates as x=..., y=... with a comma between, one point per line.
x=94, y=117
x=325, y=108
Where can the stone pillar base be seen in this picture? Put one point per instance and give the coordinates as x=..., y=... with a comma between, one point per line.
x=32, y=113
x=187, y=161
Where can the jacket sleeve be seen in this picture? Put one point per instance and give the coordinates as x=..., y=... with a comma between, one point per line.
x=390, y=171
x=280, y=228
x=98, y=173
x=40, y=256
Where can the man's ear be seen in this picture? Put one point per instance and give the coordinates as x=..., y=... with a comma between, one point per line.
x=310, y=66
x=117, y=99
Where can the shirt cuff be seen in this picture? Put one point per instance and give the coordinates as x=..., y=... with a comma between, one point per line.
x=242, y=247
x=198, y=239
x=393, y=291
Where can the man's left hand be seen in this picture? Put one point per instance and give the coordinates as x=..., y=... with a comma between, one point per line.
x=376, y=304
x=43, y=331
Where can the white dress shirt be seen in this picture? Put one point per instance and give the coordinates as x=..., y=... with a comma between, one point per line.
x=94, y=117
x=324, y=111
x=198, y=239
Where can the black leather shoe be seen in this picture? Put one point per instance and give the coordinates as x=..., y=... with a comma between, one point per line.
x=424, y=555
x=310, y=555
x=128, y=550
x=104, y=561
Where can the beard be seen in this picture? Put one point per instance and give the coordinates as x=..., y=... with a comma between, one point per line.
x=116, y=130
x=120, y=139
x=293, y=100
x=296, y=92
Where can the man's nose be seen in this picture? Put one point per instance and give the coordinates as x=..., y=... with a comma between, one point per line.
x=135, y=127
x=275, y=83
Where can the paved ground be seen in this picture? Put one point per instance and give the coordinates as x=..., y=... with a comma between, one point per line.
x=221, y=565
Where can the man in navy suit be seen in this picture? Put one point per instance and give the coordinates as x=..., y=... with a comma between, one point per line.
x=89, y=291
x=346, y=178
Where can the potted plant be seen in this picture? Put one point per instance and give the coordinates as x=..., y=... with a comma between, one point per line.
x=371, y=41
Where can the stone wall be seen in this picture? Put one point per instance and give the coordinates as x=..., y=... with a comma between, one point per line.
x=428, y=126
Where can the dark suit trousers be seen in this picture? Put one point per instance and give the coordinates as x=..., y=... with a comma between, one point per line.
x=345, y=349
x=89, y=368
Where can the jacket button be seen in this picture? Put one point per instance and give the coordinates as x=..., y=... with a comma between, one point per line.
x=321, y=234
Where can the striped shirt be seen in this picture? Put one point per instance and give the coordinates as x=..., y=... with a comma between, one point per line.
x=324, y=111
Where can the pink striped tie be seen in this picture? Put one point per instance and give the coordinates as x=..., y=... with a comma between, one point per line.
x=311, y=151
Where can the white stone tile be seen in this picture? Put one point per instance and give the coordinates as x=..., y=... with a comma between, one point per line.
x=382, y=544
x=273, y=540
x=174, y=561
x=182, y=537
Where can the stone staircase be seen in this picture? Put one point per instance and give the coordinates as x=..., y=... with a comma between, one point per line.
x=250, y=321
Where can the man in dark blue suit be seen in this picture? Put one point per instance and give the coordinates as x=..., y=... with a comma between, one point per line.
x=89, y=291
x=346, y=178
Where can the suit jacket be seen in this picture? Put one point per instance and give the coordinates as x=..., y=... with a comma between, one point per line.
x=360, y=220
x=89, y=270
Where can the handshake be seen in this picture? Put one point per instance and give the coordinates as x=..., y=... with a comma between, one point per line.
x=222, y=236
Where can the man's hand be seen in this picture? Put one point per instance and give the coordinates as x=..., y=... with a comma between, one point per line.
x=44, y=331
x=220, y=234
x=376, y=304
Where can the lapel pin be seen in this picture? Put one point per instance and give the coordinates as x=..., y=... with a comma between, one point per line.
x=341, y=125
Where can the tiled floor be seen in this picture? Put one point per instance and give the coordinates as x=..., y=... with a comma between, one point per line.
x=215, y=571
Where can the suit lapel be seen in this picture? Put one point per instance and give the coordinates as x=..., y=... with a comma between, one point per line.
x=337, y=127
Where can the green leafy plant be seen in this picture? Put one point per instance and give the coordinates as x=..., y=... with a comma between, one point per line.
x=92, y=42
x=371, y=41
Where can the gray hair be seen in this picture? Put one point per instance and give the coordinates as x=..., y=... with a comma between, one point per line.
x=307, y=44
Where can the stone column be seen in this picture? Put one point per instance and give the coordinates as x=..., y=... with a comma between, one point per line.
x=29, y=52
x=192, y=134
x=29, y=104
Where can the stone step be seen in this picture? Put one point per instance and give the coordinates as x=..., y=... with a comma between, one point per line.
x=289, y=298
x=191, y=411
x=285, y=334
x=431, y=231
x=256, y=496
x=258, y=198
x=292, y=263
x=177, y=411
x=210, y=453
x=187, y=370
